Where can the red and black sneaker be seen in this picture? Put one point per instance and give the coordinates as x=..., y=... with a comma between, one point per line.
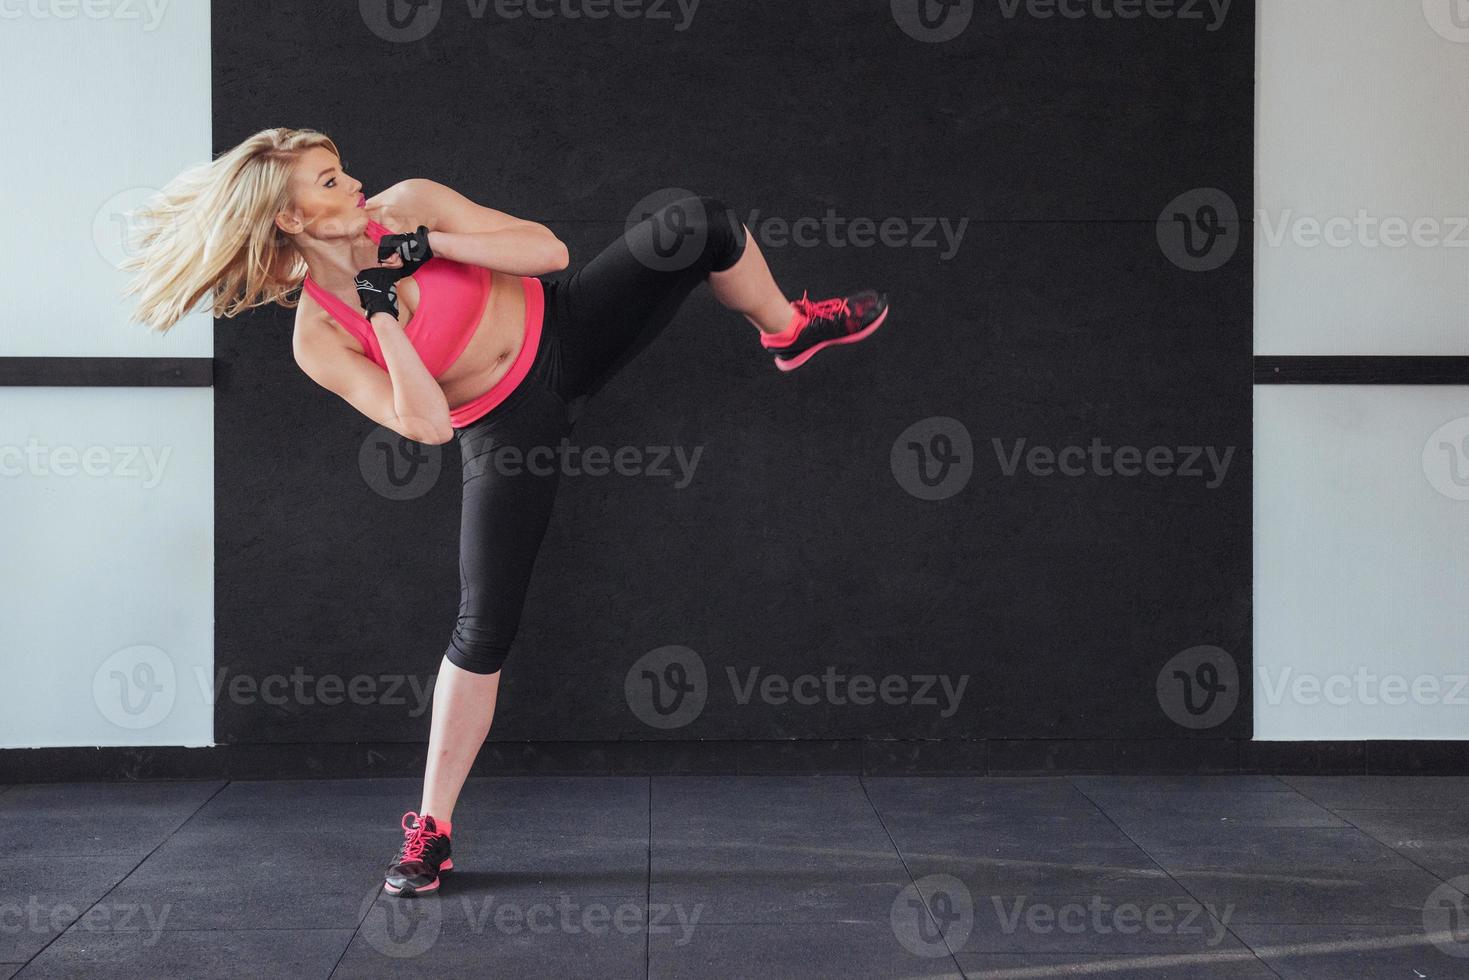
x=424, y=854
x=826, y=323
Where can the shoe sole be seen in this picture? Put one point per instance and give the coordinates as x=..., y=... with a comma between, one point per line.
x=408, y=891
x=790, y=364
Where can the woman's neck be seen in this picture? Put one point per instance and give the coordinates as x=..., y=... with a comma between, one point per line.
x=333, y=264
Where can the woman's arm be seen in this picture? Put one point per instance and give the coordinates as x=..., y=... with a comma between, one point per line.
x=464, y=231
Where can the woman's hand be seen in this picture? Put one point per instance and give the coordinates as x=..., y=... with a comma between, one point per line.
x=413, y=249
x=377, y=290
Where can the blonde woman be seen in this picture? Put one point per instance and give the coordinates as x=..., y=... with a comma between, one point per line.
x=430, y=314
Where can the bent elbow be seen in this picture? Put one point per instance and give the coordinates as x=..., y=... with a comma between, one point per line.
x=560, y=256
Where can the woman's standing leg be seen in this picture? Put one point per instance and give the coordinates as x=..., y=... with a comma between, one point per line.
x=510, y=481
x=510, y=473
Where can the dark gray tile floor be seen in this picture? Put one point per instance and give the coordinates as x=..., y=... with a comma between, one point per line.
x=755, y=876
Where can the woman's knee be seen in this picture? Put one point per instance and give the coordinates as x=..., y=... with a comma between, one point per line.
x=725, y=240
x=708, y=220
x=479, y=647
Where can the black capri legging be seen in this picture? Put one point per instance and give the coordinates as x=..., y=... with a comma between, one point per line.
x=595, y=321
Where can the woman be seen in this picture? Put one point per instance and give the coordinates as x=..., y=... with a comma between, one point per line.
x=430, y=315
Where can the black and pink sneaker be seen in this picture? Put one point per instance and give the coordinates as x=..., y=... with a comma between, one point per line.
x=826, y=323
x=425, y=853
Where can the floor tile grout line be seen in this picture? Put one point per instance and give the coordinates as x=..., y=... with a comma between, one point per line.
x=648, y=894
x=1371, y=836
x=103, y=897
x=954, y=957
x=1227, y=926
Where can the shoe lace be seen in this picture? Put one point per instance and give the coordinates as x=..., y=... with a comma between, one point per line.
x=416, y=837
x=827, y=308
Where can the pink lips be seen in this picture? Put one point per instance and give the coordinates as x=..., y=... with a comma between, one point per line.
x=362, y=200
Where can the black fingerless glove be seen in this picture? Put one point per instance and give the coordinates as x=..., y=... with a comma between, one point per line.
x=413, y=249
x=377, y=291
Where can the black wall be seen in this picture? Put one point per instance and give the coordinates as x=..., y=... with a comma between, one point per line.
x=1060, y=319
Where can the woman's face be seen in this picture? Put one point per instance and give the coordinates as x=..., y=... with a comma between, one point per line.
x=325, y=201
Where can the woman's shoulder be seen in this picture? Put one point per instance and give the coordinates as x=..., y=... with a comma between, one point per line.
x=402, y=207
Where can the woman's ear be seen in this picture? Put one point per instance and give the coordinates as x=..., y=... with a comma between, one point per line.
x=290, y=222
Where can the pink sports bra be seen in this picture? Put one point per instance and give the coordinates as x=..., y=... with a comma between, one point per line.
x=451, y=299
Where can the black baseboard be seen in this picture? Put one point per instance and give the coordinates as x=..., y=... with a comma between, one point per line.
x=107, y=372
x=998, y=757
x=1276, y=369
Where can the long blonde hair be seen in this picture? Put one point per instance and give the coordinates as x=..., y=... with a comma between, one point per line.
x=212, y=231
